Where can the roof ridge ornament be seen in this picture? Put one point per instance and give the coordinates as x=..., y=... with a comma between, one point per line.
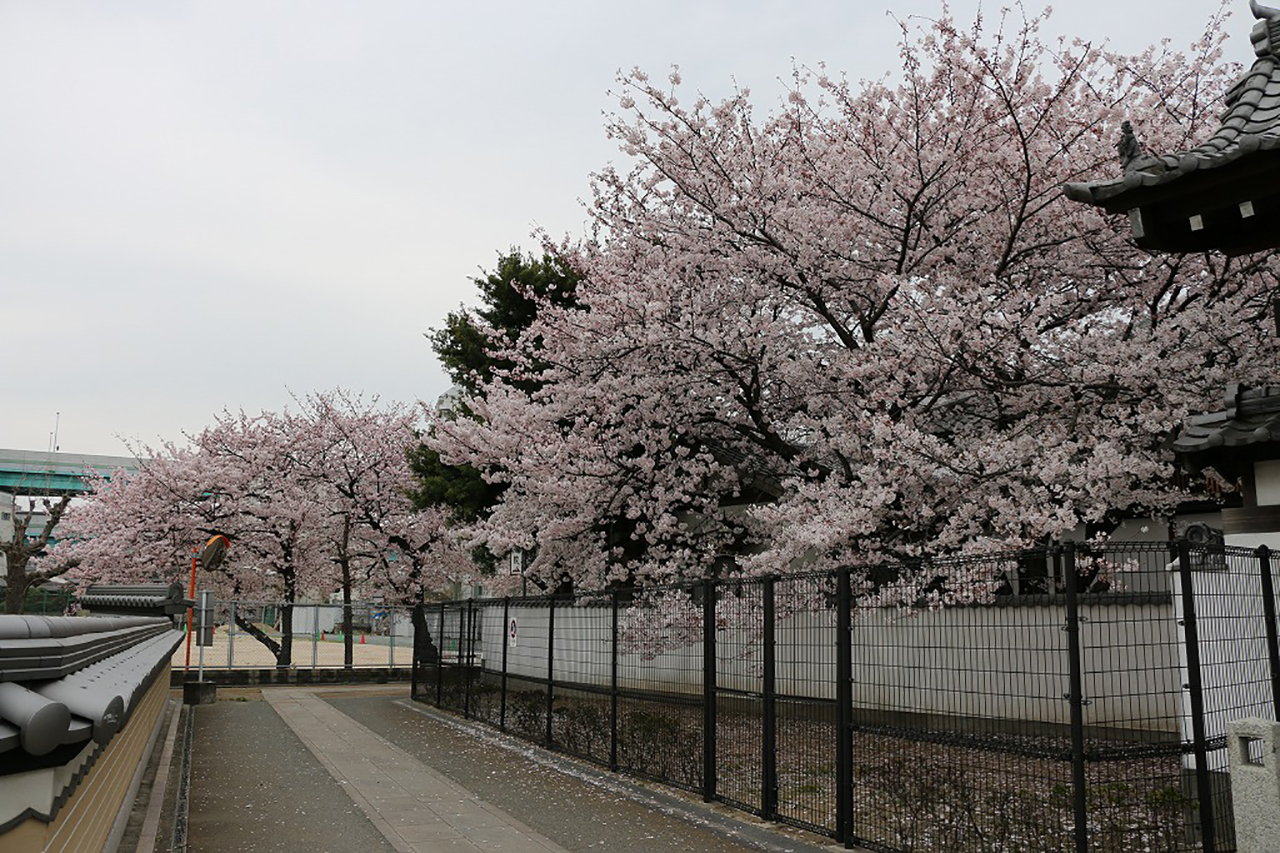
x=1132, y=156
x=1266, y=33
x=1222, y=193
x=1263, y=12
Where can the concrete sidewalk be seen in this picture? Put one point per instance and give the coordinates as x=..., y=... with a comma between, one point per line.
x=416, y=809
x=366, y=769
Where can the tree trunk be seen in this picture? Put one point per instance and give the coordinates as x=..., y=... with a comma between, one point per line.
x=344, y=563
x=21, y=549
x=254, y=631
x=424, y=650
x=15, y=595
x=17, y=555
x=284, y=659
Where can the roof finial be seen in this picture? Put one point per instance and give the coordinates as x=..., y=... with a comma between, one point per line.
x=1263, y=12
x=1128, y=146
x=1266, y=33
x=1132, y=157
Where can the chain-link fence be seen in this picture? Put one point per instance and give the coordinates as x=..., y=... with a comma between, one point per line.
x=46, y=602
x=268, y=635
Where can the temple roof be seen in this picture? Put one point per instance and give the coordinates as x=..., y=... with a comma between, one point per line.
x=34, y=648
x=135, y=600
x=1250, y=123
x=1252, y=418
x=68, y=685
x=67, y=680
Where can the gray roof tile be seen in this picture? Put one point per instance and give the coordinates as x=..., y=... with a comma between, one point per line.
x=1253, y=111
x=53, y=708
x=1251, y=417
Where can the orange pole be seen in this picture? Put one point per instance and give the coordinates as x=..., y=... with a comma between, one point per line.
x=190, y=611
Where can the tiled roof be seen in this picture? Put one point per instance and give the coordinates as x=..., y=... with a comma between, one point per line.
x=34, y=648
x=1252, y=417
x=66, y=680
x=1251, y=123
x=135, y=600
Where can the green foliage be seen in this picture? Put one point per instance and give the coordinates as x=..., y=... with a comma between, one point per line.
x=662, y=746
x=460, y=488
x=460, y=346
x=582, y=727
x=41, y=602
x=526, y=713
x=509, y=297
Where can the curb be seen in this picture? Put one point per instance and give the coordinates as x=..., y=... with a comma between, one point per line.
x=293, y=677
x=183, y=803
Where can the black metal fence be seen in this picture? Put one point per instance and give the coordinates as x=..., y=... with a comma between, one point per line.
x=1084, y=707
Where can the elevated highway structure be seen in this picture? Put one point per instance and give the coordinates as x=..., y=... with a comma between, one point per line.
x=33, y=473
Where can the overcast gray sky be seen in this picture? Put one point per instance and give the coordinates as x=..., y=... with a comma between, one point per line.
x=207, y=205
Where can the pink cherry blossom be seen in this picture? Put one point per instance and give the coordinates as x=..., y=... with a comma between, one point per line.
x=868, y=326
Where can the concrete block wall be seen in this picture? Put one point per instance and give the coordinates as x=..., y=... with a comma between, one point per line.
x=85, y=821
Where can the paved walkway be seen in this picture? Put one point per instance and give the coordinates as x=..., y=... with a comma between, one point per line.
x=416, y=809
x=331, y=769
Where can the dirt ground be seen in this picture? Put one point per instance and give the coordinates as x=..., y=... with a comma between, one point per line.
x=244, y=651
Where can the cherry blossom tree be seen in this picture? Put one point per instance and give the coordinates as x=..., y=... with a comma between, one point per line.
x=27, y=544
x=276, y=525
x=237, y=479
x=143, y=526
x=314, y=500
x=352, y=458
x=867, y=328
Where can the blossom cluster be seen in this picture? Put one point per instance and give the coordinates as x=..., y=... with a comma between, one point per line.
x=867, y=327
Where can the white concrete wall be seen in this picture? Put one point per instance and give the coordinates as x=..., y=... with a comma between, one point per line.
x=986, y=662
x=1267, y=480
x=309, y=618
x=401, y=624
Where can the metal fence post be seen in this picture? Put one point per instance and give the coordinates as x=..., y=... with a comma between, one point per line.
x=1204, y=792
x=231, y=637
x=1075, y=695
x=1269, y=612
x=613, y=685
x=551, y=661
x=506, y=642
x=415, y=621
x=462, y=642
x=440, y=663
x=769, y=720
x=315, y=636
x=844, y=709
x=391, y=639
x=466, y=672
x=708, y=690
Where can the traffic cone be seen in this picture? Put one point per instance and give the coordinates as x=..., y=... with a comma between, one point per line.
x=362, y=638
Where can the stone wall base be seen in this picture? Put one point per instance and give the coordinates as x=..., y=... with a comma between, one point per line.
x=258, y=677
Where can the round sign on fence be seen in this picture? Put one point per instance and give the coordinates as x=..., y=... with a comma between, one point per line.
x=511, y=633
